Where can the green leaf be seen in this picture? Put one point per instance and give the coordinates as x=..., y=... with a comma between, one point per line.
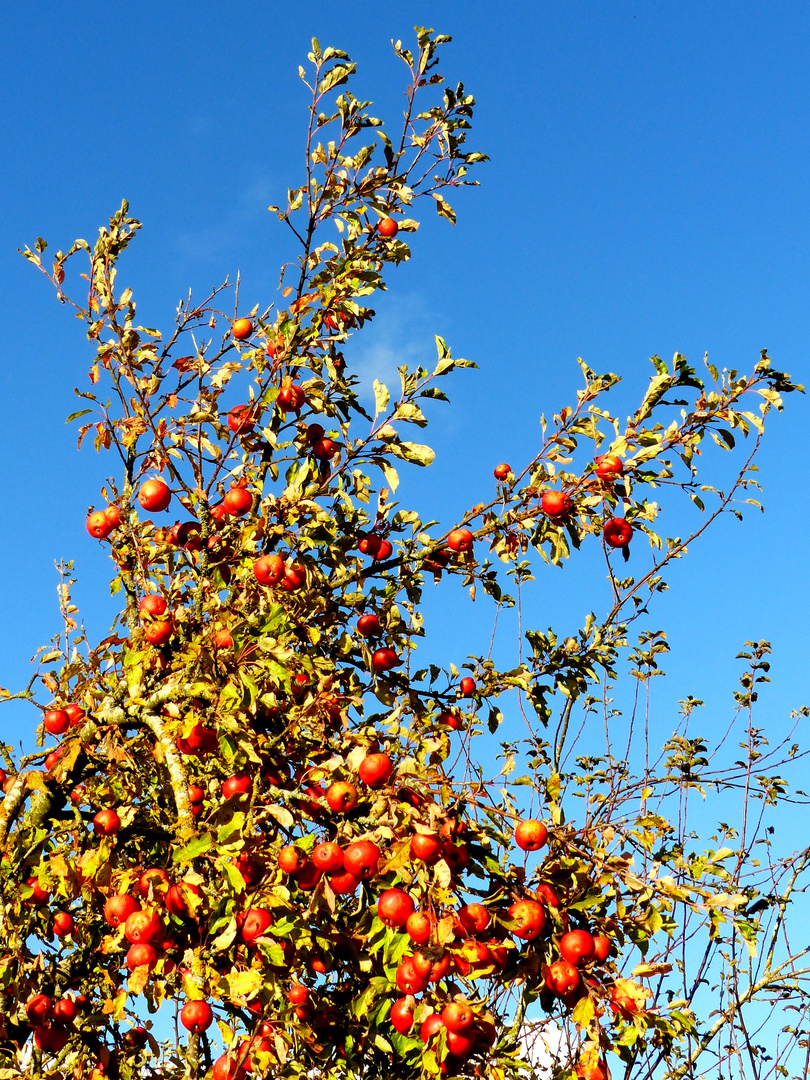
x=381, y=397
x=584, y=1011
x=444, y=209
x=390, y=474
x=338, y=75
x=194, y=849
x=416, y=453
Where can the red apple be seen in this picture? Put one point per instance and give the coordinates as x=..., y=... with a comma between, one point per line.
x=369, y=626
x=460, y=540
x=530, y=917
x=375, y=770
x=474, y=918
x=395, y=907
x=555, y=504
x=328, y=857
x=118, y=909
x=608, y=466
x=141, y=955
x=402, y=1014
x=38, y=1008
x=63, y=924
x=362, y=858
x=56, y=721
x=106, y=823
x=530, y=835
x=236, y=786
x=425, y=847
x=577, y=947
x=561, y=977
x=342, y=796
x=196, y=1016
x=144, y=927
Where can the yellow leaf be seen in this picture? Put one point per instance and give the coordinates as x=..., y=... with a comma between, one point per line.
x=226, y=938
x=643, y=971
x=138, y=979
x=727, y=900
x=242, y=984
x=280, y=814
x=584, y=1012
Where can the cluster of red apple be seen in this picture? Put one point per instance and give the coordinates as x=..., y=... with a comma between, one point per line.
x=52, y=1020
x=557, y=505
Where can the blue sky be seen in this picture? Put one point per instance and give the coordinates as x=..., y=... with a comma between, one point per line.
x=647, y=193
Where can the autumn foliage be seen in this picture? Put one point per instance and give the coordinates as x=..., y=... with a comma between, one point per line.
x=245, y=812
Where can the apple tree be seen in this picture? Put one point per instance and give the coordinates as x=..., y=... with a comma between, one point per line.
x=259, y=836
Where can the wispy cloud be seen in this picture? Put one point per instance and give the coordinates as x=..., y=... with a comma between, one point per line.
x=398, y=335
x=212, y=242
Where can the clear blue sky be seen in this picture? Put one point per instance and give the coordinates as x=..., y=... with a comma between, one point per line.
x=648, y=192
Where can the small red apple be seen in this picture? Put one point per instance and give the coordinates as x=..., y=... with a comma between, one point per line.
x=65, y=1012
x=63, y=924
x=383, y=660
x=425, y=847
x=98, y=526
x=144, y=927
x=561, y=977
x=387, y=227
x=408, y=980
x=530, y=917
x=531, y=835
x=38, y=1008
x=342, y=796
x=555, y=504
x=617, y=532
x=602, y=947
x=344, y=883
x=269, y=569
x=159, y=632
x=460, y=540
x=242, y=329
x=475, y=918
x=457, y=1016
x=577, y=947
x=291, y=398
x=237, y=501
x=375, y=770
x=420, y=927
x=241, y=419
x=176, y=898
x=141, y=955
x=154, y=878
x=369, y=626
x=608, y=466
x=291, y=860
x=402, y=1014
x=56, y=721
x=395, y=907
x=236, y=786
x=328, y=857
x=76, y=714
x=152, y=604
x=118, y=909
x=196, y=1016
x=106, y=823
x=154, y=495
x=362, y=859
x=40, y=894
